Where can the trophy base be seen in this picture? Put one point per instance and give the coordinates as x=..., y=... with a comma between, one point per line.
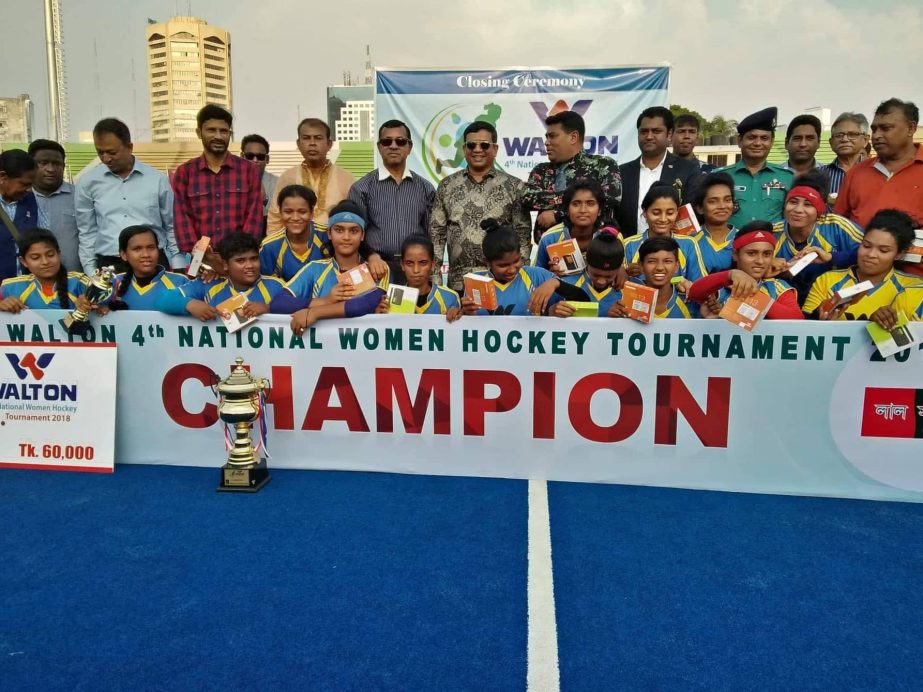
x=74, y=327
x=246, y=480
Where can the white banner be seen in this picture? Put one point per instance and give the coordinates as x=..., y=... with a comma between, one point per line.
x=798, y=407
x=57, y=405
x=438, y=105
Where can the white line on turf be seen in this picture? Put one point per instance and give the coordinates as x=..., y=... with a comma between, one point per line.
x=542, y=673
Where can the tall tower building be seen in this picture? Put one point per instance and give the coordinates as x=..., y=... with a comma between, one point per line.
x=189, y=65
x=16, y=115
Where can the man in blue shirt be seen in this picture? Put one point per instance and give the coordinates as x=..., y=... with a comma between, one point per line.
x=120, y=193
x=55, y=198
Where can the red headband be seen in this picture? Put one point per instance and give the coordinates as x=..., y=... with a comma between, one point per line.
x=742, y=241
x=810, y=194
x=611, y=230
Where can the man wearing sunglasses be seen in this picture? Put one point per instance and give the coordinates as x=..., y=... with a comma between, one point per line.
x=395, y=201
x=255, y=149
x=464, y=198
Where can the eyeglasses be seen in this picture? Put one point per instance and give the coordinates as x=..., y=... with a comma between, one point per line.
x=250, y=156
x=846, y=135
x=483, y=146
x=399, y=141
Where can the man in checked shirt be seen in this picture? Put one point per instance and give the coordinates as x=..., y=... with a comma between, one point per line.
x=216, y=193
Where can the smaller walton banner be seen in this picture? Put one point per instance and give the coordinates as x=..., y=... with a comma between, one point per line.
x=57, y=406
x=438, y=105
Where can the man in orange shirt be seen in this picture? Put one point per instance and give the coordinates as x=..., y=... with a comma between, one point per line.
x=893, y=180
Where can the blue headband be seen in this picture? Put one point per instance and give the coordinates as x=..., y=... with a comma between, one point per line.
x=346, y=217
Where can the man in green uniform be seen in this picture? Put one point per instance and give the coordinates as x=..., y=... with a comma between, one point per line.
x=759, y=186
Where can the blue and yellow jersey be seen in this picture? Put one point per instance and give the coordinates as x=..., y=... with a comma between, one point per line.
x=438, y=302
x=910, y=302
x=605, y=298
x=880, y=296
x=716, y=257
x=139, y=297
x=513, y=297
x=832, y=232
x=34, y=296
x=690, y=260
x=771, y=287
x=319, y=277
x=278, y=258
x=678, y=308
x=219, y=290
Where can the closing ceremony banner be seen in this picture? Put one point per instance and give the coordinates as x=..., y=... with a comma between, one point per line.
x=438, y=105
x=797, y=407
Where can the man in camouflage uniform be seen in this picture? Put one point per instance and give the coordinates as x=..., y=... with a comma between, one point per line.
x=465, y=198
x=568, y=162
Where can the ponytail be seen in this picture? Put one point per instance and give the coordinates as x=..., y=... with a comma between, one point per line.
x=61, y=285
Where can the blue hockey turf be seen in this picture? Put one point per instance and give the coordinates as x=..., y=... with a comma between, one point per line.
x=149, y=579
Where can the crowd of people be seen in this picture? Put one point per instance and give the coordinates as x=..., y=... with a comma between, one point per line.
x=286, y=243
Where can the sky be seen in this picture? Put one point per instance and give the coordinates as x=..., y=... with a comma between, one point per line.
x=729, y=57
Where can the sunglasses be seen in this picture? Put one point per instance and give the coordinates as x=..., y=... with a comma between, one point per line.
x=483, y=146
x=399, y=141
x=258, y=157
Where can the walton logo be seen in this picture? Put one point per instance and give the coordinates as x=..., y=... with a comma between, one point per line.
x=30, y=364
x=542, y=111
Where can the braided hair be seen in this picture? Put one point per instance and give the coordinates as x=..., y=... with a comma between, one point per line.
x=43, y=235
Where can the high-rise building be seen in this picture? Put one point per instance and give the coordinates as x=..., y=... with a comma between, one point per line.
x=189, y=65
x=16, y=119
x=351, y=112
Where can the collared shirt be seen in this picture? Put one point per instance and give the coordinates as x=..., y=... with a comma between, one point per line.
x=513, y=297
x=320, y=277
x=690, y=259
x=60, y=209
x=29, y=291
x=605, y=298
x=138, y=297
x=910, y=302
x=106, y=204
x=393, y=210
x=836, y=234
x=216, y=204
x=759, y=197
x=278, y=258
x=646, y=178
x=788, y=165
x=881, y=295
x=460, y=204
x=676, y=307
x=10, y=209
x=869, y=187
x=439, y=301
x=836, y=174
x=716, y=257
x=544, y=188
x=219, y=290
x=339, y=180
x=269, y=184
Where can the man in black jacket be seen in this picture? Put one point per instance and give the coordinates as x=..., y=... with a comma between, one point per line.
x=656, y=164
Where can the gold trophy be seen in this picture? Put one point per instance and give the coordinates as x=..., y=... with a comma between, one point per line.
x=239, y=405
x=99, y=288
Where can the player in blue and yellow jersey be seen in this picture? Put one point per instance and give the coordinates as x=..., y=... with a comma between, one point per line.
x=752, y=258
x=889, y=234
x=520, y=290
x=315, y=292
x=604, y=258
x=418, y=260
x=659, y=264
x=241, y=255
x=288, y=251
x=583, y=201
x=138, y=288
x=48, y=286
x=807, y=226
x=714, y=203
x=661, y=206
